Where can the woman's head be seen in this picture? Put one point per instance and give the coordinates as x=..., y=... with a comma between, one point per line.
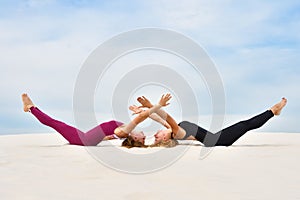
x=138, y=136
x=162, y=139
x=162, y=135
x=130, y=142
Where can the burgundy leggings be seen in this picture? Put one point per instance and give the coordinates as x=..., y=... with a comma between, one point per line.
x=73, y=135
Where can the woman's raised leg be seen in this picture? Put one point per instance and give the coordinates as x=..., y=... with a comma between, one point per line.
x=71, y=134
x=231, y=134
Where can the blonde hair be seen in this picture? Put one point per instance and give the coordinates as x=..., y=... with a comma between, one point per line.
x=129, y=142
x=166, y=143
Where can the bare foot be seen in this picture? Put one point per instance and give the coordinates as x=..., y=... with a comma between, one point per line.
x=27, y=103
x=276, y=109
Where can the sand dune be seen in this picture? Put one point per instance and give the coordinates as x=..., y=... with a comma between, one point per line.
x=43, y=166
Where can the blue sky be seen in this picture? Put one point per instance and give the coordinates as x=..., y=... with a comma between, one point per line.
x=254, y=44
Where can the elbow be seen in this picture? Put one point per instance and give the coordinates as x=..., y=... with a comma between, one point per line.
x=175, y=130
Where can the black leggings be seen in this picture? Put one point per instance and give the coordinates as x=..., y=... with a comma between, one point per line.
x=227, y=136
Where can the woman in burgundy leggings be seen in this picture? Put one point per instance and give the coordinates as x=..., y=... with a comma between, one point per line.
x=95, y=135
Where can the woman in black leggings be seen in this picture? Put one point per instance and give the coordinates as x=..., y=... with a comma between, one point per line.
x=226, y=137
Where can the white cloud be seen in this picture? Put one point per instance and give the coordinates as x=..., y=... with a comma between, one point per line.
x=227, y=23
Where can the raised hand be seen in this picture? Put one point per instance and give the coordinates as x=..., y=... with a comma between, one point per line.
x=135, y=109
x=144, y=101
x=164, y=99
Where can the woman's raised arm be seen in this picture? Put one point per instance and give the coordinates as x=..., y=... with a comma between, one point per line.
x=164, y=115
x=123, y=131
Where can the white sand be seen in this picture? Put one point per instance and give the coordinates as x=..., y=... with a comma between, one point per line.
x=259, y=166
